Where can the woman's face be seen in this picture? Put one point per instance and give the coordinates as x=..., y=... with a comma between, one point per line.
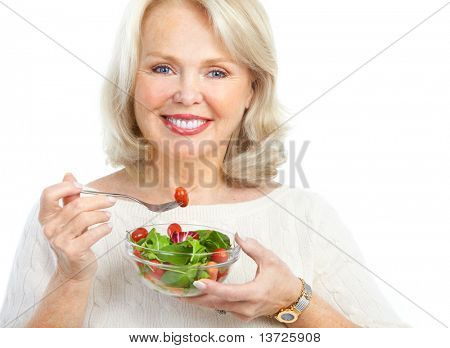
x=177, y=76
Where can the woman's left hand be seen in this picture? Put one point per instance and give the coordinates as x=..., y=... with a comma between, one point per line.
x=273, y=288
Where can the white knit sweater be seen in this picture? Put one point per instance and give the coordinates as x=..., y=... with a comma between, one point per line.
x=119, y=299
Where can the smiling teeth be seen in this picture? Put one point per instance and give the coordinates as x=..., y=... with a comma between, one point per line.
x=191, y=124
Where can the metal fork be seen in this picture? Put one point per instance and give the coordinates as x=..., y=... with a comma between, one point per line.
x=157, y=208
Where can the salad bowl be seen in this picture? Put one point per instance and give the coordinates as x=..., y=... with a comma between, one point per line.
x=169, y=257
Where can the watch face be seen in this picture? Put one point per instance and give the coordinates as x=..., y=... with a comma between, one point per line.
x=287, y=316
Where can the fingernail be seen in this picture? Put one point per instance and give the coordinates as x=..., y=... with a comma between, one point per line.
x=108, y=214
x=112, y=199
x=199, y=285
x=110, y=224
x=77, y=184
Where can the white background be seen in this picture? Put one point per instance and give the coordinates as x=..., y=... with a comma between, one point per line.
x=379, y=142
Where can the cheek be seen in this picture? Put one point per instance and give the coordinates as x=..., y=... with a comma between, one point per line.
x=148, y=100
x=150, y=96
x=151, y=93
x=227, y=103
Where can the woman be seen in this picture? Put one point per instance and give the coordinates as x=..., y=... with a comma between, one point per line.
x=191, y=102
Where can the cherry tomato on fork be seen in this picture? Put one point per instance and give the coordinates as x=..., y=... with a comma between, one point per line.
x=181, y=196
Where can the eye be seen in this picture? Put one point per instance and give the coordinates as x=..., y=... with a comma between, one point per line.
x=155, y=69
x=221, y=74
x=164, y=69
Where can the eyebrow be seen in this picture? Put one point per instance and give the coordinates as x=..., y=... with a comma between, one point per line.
x=177, y=60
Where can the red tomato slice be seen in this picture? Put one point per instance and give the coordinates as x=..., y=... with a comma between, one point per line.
x=221, y=274
x=138, y=234
x=173, y=228
x=156, y=271
x=137, y=253
x=212, y=270
x=220, y=255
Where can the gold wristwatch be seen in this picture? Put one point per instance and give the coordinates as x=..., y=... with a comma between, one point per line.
x=290, y=314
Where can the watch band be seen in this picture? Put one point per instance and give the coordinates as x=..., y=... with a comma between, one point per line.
x=305, y=299
x=291, y=313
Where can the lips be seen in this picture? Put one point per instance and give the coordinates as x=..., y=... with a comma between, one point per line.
x=188, y=117
x=185, y=124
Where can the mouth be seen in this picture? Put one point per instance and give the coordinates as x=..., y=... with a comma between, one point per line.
x=185, y=124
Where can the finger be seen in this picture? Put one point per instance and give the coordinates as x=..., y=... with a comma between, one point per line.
x=49, y=201
x=240, y=316
x=51, y=228
x=92, y=236
x=56, y=225
x=253, y=248
x=83, y=221
x=227, y=292
x=214, y=302
x=205, y=300
x=83, y=204
x=68, y=177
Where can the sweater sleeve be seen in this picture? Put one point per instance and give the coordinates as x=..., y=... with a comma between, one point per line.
x=342, y=280
x=33, y=266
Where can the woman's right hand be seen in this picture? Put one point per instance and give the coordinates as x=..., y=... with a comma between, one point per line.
x=66, y=227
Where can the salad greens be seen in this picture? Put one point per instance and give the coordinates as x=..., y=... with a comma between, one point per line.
x=186, y=255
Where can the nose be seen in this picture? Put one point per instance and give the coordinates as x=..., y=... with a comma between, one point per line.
x=188, y=91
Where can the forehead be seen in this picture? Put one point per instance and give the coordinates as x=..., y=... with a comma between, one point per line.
x=180, y=28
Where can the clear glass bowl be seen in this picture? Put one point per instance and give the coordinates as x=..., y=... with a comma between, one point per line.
x=176, y=280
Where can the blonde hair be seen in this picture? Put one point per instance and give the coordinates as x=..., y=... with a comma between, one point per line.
x=255, y=150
